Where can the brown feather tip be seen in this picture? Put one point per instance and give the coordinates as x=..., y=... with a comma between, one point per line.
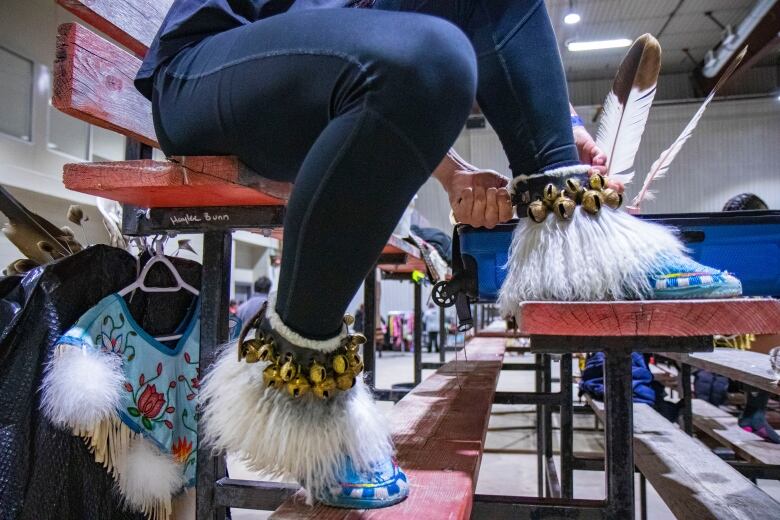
x=639, y=68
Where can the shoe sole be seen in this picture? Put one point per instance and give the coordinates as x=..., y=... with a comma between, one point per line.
x=361, y=503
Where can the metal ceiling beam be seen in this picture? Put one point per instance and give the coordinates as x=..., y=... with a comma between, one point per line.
x=762, y=40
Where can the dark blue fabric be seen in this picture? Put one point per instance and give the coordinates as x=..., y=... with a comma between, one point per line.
x=189, y=21
x=356, y=107
x=711, y=387
x=592, y=381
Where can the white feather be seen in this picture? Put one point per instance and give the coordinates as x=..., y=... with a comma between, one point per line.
x=305, y=439
x=81, y=387
x=603, y=257
x=620, y=130
x=147, y=477
x=661, y=165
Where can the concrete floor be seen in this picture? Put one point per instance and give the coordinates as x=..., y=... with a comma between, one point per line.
x=509, y=462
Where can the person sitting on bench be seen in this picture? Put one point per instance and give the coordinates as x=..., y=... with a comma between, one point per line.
x=357, y=107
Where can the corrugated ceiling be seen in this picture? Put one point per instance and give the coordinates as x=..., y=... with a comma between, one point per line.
x=689, y=28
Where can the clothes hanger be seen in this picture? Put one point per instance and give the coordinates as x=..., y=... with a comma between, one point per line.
x=140, y=283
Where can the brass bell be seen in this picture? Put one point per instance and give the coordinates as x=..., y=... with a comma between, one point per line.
x=355, y=363
x=266, y=352
x=248, y=350
x=289, y=370
x=537, y=211
x=550, y=193
x=345, y=381
x=597, y=181
x=316, y=373
x=573, y=190
x=349, y=320
x=591, y=201
x=271, y=377
x=298, y=387
x=325, y=389
x=564, y=207
x=340, y=364
x=612, y=198
x=357, y=339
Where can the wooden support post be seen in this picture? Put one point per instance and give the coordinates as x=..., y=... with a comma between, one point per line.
x=215, y=292
x=442, y=334
x=369, y=327
x=417, y=333
x=619, y=435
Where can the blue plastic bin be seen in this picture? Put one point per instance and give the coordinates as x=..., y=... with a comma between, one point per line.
x=745, y=243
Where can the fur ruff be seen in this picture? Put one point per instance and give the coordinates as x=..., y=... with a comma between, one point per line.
x=81, y=391
x=305, y=439
x=81, y=387
x=327, y=345
x=602, y=257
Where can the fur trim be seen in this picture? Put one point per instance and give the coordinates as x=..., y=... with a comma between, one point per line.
x=564, y=171
x=81, y=387
x=81, y=392
x=305, y=439
x=148, y=478
x=603, y=257
x=327, y=345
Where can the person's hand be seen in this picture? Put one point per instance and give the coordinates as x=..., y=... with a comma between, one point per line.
x=589, y=152
x=592, y=155
x=479, y=198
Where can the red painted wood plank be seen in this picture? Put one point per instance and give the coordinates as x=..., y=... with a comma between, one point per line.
x=132, y=23
x=651, y=318
x=93, y=81
x=191, y=181
x=439, y=429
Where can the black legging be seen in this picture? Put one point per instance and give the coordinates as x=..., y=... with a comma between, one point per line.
x=357, y=107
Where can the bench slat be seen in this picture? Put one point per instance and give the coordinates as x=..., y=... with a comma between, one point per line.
x=132, y=23
x=747, y=367
x=691, y=480
x=651, y=318
x=93, y=81
x=192, y=181
x=439, y=429
x=724, y=427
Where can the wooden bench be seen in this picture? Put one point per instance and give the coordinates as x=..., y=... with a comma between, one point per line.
x=619, y=328
x=439, y=429
x=723, y=427
x=692, y=481
x=751, y=368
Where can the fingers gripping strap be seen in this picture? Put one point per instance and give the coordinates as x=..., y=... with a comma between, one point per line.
x=527, y=188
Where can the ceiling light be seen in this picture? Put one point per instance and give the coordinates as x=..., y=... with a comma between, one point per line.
x=598, y=45
x=571, y=19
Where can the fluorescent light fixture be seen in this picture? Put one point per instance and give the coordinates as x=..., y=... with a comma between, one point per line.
x=571, y=19
x=598, y=45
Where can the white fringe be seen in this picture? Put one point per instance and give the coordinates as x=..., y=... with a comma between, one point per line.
x=306, y=439
x=602, y=257
x=327, y=345
x=81, y=391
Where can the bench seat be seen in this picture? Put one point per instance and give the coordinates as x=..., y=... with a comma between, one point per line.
x=692, y=481
x=751, y=368
x=439, y=429
x=724, y=428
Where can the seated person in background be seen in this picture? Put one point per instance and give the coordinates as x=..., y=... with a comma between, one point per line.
x=250, y=307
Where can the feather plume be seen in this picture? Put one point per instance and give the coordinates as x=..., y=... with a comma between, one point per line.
x=661, y=166
x=627, y=107
x=36, y=238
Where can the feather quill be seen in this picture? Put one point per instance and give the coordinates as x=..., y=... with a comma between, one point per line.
x=627, y=107
x=661, y=166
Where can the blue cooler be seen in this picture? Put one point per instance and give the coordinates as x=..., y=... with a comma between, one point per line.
x=745, y=243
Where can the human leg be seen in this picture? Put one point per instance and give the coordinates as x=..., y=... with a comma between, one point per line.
x=346, y=112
